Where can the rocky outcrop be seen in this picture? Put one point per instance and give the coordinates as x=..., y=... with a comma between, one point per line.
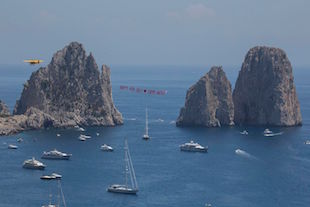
x=70, y=91
x=265, y=93
x=4, y=110
x=208, y=102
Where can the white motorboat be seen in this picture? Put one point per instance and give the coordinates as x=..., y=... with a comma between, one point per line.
x=307, y=142
x=269, y=133
x=82, y=139
x=33, y=164
x=81, y=129
x=193, y=147
x=97, y=134
x=20, y=140
x=85, y=136
x=244, y=132
x=12, y=146
x=56, y=155
x=146, y=135
x=129, y=170
x=58, y=135
x=106, y=148
x=53, y=176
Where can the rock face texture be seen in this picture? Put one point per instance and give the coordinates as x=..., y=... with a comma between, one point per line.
x=265, y=93
x=208, y=102
x=4, y=110
x=69, y=91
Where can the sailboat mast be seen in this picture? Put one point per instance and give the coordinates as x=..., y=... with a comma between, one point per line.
x=132, y=174
x=126, y=164
x=62, y=194
x=146, y=123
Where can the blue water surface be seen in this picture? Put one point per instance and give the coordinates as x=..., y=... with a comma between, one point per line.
x=273, y=171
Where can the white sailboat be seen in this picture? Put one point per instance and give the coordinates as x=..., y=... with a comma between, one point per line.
x=60, y=193
x=129, y=170
x=146, y=135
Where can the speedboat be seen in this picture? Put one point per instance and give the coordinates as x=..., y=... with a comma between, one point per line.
x=269, y=133
x=58, y=135
x=193, y=147
x=244, y=132
x=307, y=142
x=33, y=164
x=12, y=146
x=20, y=140
x=97, y=134
x=56, y=155
x=82, y=138
x=53, y=176
x=122, y=189
x=81, y=129
x=106, y=148
x=85, y=136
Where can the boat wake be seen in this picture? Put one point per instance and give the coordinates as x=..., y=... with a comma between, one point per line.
x=245, y=154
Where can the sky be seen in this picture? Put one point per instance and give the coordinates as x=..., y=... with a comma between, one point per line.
x=157, y=32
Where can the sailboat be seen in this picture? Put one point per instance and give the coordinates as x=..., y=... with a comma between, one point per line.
x=146, y=135
x=60, y=193
x=129, y=170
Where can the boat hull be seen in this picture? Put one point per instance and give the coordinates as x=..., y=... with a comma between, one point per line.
x=50, y=157
x=185, y=149
x=31, y=167
x=122, y=190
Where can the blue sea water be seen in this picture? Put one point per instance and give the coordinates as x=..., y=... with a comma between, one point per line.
x=274, y=171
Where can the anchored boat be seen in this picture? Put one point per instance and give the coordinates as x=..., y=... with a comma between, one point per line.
x=129, y=172
x=146, y=135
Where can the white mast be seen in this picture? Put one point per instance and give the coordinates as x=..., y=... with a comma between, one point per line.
x=132, y=171
x=146, y=123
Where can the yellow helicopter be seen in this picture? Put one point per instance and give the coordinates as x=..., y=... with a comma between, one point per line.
x=33, y=61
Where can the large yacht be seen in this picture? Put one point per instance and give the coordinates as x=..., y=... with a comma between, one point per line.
x=33, y=164
x=129, y=170
x=193, y=147
x=106, y=148
x=56, y=155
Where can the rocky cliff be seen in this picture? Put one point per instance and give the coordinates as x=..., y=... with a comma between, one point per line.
x=69, y=91
x=4, y=110
x=208, y=102
x=265, y=93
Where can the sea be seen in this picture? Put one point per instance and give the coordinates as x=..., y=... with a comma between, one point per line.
x=266, y=171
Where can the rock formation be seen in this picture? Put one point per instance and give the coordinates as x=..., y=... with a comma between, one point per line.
x=208, y=102
x=265, y=93
x=4, y=110
x=69, y=91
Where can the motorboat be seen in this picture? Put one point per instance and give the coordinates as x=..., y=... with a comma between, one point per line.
x=81, y=129
x=106, y=148
x=129, y=172
x=97, y=134
x=58, y=135
x=82, y=138
x=12, y=146
x=53, y=176
x=56, y=155
x=269, y=133
x=85, y=136
x=307, y=142
x=193, y=147
x=244, y=132
x=146, y=135
x=20, y=140
x=33, y=164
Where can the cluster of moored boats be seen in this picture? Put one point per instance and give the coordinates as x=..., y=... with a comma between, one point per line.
x=267, y=133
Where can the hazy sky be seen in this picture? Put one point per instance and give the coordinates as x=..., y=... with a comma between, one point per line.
x=155, y=32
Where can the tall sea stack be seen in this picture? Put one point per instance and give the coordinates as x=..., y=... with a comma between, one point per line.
x=208, y=102
x=265, y=93
x=70, y=91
